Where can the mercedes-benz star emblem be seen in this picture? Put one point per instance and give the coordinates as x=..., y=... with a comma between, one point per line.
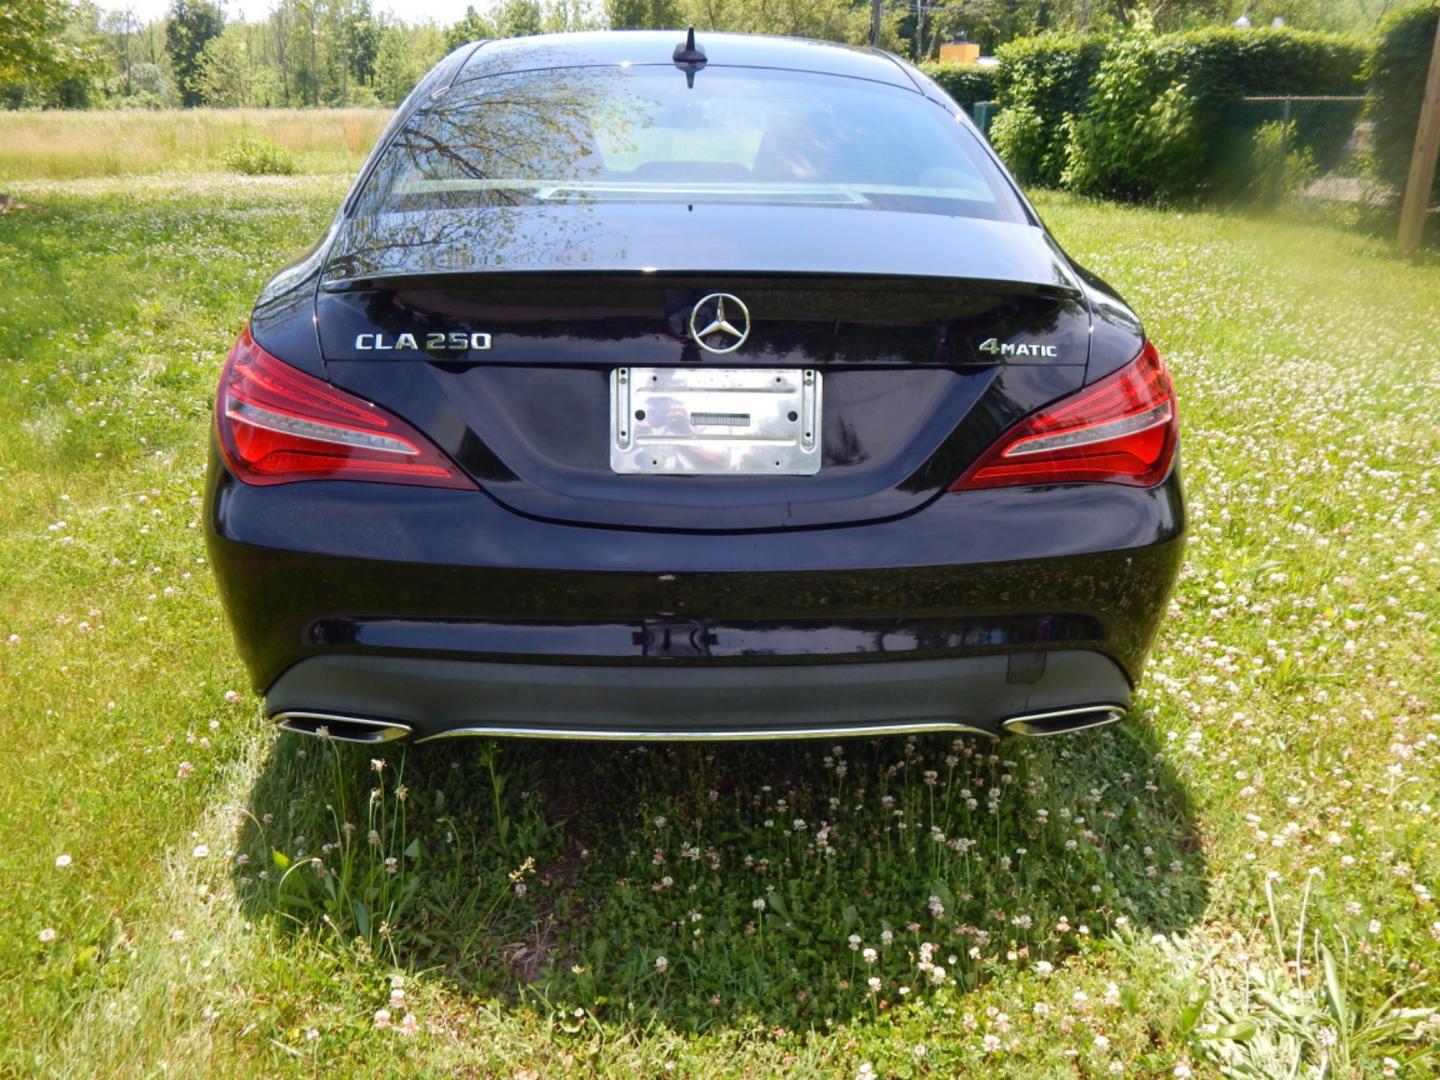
x=712, y=330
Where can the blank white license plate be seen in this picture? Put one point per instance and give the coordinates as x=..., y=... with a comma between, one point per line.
x=715, y=421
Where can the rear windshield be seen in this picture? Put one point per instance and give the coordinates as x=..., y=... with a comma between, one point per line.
x=639, y=134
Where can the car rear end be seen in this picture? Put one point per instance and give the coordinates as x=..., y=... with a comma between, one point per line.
x=750, y=404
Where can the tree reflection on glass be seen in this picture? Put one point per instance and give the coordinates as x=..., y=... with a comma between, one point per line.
x=482, y=148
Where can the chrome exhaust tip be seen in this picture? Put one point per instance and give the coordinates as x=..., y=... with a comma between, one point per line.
x=1063, y=721
x=355, y=729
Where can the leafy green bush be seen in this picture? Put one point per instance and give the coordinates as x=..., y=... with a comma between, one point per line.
x=1141, y=135
x=1279, y=163
x=1023, y=138
x=1396, y=75
x=253, y=155
x=966, y=83
x=1165, y=120
x=1042, y=81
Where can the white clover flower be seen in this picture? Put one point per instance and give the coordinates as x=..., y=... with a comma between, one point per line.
x=870, y=956
x=48, y=934
x=662, y=964
x=62, y=861
x=382, y=1018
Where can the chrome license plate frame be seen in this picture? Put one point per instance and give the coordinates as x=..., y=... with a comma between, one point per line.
x=708, y=421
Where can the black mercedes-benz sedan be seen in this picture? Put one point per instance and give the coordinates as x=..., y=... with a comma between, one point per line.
x=649, y=386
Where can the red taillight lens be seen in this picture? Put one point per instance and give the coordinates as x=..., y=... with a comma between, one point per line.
x=1121, y=430
x=277, y=425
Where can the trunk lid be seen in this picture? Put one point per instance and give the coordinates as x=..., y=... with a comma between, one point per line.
x=941, y=333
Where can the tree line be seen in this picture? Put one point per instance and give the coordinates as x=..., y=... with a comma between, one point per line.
x=314, y=53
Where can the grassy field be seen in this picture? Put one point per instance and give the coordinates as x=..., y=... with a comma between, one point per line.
x=1240, y=876
x=72, y=144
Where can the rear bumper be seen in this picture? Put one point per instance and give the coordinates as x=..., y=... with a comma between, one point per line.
x=443, y=610
x=428, y=698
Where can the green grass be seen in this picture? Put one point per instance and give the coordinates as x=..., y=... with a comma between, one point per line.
x=1133, y=899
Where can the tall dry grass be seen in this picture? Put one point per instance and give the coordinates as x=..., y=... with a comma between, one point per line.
x=64, y=145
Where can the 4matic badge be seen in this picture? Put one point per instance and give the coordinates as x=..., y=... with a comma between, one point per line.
x=996, y=348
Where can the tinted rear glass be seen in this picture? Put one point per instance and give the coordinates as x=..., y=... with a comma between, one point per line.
x=639, y=134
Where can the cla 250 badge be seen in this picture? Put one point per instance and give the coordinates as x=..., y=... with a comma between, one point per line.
x=458, y=341
x=996, y=348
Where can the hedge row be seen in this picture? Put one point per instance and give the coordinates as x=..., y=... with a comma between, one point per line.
x=1044, y=81
x=966, y=83
x=1397, y=72
x=1143, y=116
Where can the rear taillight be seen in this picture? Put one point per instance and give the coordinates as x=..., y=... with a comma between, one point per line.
x=1121, y=430
x=275, y=425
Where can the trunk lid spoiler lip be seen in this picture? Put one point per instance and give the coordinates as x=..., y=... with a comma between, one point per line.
x=399, y=279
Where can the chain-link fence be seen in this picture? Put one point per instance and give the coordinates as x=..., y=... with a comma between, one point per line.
x=1312, y=146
